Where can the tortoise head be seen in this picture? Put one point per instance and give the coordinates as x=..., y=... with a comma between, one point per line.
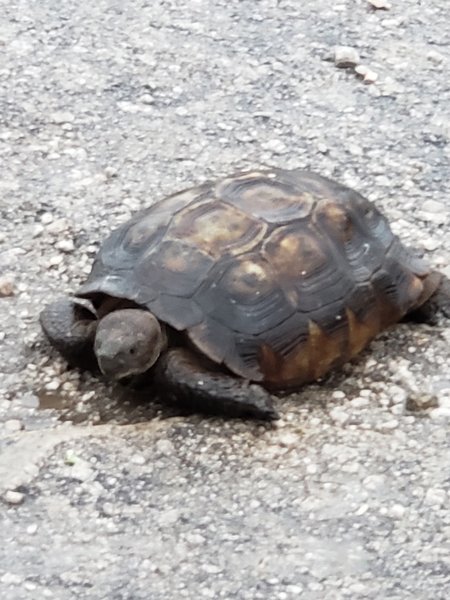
x=128, y=342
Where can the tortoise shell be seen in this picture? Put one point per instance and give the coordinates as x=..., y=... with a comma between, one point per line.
x=279, y=275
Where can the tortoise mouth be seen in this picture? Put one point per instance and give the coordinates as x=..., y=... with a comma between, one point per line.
x=112, y=367
x=117, y=369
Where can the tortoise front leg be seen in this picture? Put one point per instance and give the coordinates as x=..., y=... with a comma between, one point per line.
x=187, y=379
x=70, y=327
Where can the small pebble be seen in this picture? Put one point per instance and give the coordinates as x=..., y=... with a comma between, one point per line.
x=11, y=578
x=294, y=589
x=417, y=402
x=339, y=416
x=30, y=586
x=358, y=589
x=397, y=511
x=435, y=497
x=60, y=117
x=169, y=517
x=13, y=425
x=433, y=217
x=433, y=206
x=129, y=107
x=380, y=4
x=57, y=226
x=181, y=111
x=46, y=218
x=65, y=246
x=430, y=244
x=435, y=57
x=52, y=385
x=109, y=509
x=311, y=469
x=164, y=447
x=389, y=425
x=366, y=73
x=345, y=56
x=275, y=146
x=361, y=510
x=195, y=539
x=31, y=529
x=288, y=439
x=81, y=470
x=13, y=497
x=359, y=402
x=211, y=569
x=111, y=172
x=374, y=482
x=6, y=286
x=138, y=459
x=147, y=99
x=37, y=230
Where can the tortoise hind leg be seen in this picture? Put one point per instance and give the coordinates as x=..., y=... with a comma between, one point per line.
x=436, y=306
x=187, y=379
x=70, y=328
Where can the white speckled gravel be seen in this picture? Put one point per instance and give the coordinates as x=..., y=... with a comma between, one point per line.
x=108, y=106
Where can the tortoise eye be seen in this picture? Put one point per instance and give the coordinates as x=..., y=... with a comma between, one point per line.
x=132, y=351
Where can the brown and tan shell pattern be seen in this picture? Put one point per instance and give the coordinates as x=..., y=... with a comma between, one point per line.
x=279, y=275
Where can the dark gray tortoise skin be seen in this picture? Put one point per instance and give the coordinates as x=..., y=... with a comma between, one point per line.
x=227, y=291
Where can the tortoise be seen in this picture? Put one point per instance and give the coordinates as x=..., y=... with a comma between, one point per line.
x=226, y=292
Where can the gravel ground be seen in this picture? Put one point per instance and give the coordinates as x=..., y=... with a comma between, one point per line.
x=106, y=495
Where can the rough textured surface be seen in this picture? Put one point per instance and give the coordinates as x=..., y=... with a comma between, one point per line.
x=108, y=108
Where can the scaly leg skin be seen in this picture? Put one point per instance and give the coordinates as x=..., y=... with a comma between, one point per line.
x=70, y=328
x=183, y=376
x=438, y=305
